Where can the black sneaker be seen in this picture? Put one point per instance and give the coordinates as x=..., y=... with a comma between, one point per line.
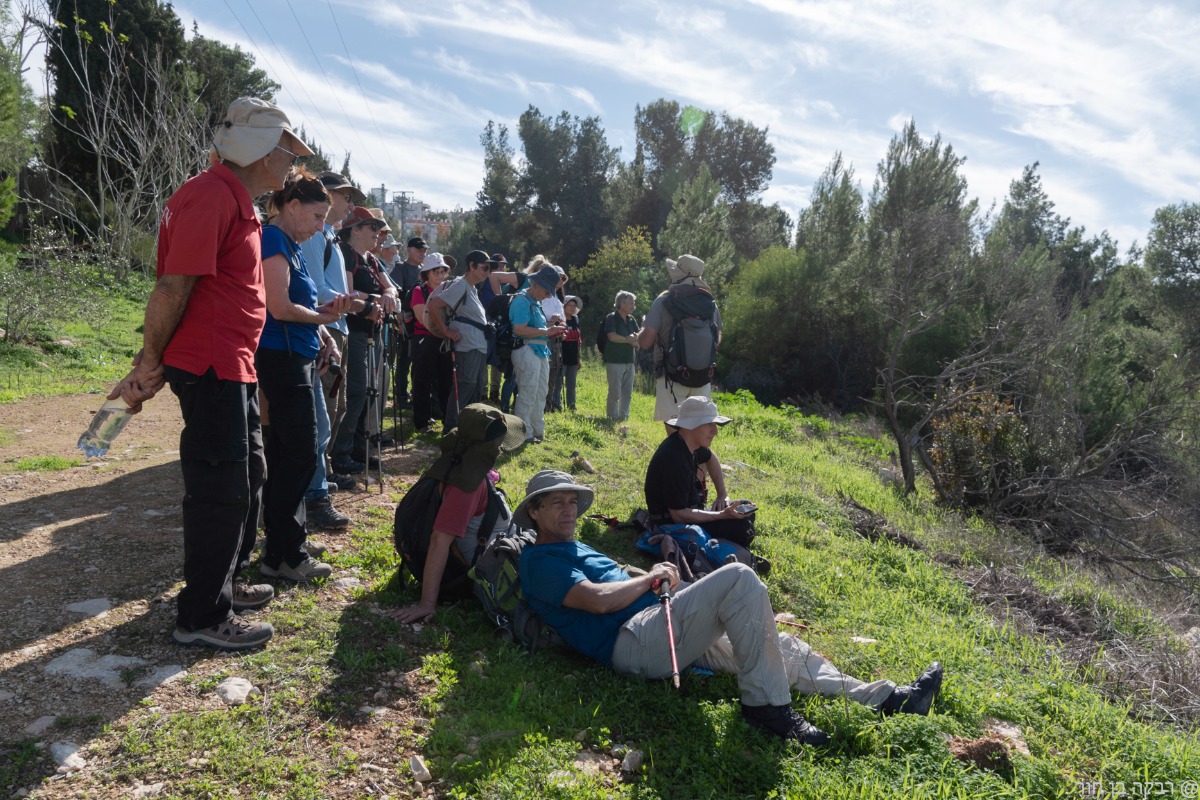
x=371, y=462
x=251, y=596
x=234, y=633
x=917, y=697
x=786, y=723
x=322, y=514
x=342, y=482
x=349, y=467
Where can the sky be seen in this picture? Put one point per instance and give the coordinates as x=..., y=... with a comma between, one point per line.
x=1102, y=93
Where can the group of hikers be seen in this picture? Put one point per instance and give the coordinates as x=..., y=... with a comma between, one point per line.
x=720, y=621
x=254, y=327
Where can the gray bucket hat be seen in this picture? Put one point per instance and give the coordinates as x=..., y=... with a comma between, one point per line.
x=546, y=481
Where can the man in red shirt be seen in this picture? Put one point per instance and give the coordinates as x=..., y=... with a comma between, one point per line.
x=202, y=325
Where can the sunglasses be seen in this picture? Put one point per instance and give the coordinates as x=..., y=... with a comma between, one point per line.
x=290, y=153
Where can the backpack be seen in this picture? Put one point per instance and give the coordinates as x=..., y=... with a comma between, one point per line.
x=602, y=335
x=497, y=577
x=703, y=553
x=690, y=344
x=506, y=340
x=413, y=527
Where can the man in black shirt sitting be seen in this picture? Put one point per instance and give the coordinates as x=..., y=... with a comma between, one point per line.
x=676, y=478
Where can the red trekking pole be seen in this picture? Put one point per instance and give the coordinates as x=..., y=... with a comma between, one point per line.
x=663, y=588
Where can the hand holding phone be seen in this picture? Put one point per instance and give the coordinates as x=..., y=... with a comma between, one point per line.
x=747, y=508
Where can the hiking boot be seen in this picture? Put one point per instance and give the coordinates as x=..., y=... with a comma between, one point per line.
x=349, y=467
x=234, y=633
x=322, y=514
x=306, y=571
x=786, y=723
x=342, y=482
x=917, y=697
x=371, y=462
x=251, y=596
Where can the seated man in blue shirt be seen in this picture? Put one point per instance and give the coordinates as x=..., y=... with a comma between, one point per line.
x=723, y=621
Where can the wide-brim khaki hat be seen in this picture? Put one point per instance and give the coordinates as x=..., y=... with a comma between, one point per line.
x=546, y=481
x=696, y=411
x=251, y=130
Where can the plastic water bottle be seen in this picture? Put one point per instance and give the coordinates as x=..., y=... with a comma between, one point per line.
x=109, y=421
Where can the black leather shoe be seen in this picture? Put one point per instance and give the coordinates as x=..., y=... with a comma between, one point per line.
x=371, y=462
x=786, y=723
x=918, y=696
x=349, y=467
x=342, y=482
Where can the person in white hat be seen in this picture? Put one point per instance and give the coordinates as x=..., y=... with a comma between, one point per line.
x=687, y=269
x=431, y=369
x=676, y=478
x=202, y=326
x=723, y=621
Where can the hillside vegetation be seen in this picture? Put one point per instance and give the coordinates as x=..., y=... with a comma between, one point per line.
x=493, y=721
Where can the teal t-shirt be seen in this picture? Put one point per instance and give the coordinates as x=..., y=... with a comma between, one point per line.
x=524, y=310
x=549, y=571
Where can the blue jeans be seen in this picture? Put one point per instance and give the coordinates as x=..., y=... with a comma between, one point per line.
x=319, y=487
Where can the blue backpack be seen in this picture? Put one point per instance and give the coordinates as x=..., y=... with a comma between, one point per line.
x=703, y=553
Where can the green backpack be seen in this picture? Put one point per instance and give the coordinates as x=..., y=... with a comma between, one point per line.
x=497, y=579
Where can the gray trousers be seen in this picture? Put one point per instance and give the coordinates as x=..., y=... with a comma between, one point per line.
x=724, y=622
x=620, y=390
x=470, y=376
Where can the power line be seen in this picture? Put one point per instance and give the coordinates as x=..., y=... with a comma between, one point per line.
x=321, y=65
x=362, y=91
x=254, y=44
x=313, y=103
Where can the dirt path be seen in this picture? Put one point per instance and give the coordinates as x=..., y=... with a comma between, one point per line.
x=90, y=559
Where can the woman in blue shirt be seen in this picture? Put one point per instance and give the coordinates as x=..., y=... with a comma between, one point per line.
x=293, y=343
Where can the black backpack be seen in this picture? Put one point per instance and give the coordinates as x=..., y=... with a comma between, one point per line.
x=690, y=343
x=415, y=515
x=506, y=340
x=497, y=577
x=602, y=334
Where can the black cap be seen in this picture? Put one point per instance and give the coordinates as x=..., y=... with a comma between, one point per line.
x=335, y=180
x=479, y=257
x=417, y=241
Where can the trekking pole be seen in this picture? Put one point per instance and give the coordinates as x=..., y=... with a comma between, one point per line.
x=454, y=373
x=663, y=588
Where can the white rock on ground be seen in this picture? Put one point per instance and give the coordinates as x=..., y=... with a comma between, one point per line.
x=346, y=584
x=40, y=725
x=66, y=755
x=147, y=790
x=235, y=691
x=632, y=761
x=93, y=608
x=85, y=663
x=419, y=770
x=1192, y=638
x=161, y=675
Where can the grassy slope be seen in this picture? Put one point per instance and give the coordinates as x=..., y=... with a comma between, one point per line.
x=97, y=356
x=501, y=723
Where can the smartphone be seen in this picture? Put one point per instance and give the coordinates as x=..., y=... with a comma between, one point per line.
x=746, y=508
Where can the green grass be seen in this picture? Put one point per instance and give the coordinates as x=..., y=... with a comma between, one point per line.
x=494, y=721
x=46, y=463
x=81, y=355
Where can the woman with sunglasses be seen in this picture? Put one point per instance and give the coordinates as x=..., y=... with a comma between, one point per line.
x=431, y=369
x=359, y=234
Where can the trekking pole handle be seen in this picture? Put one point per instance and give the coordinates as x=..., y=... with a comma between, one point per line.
x=662, y=588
